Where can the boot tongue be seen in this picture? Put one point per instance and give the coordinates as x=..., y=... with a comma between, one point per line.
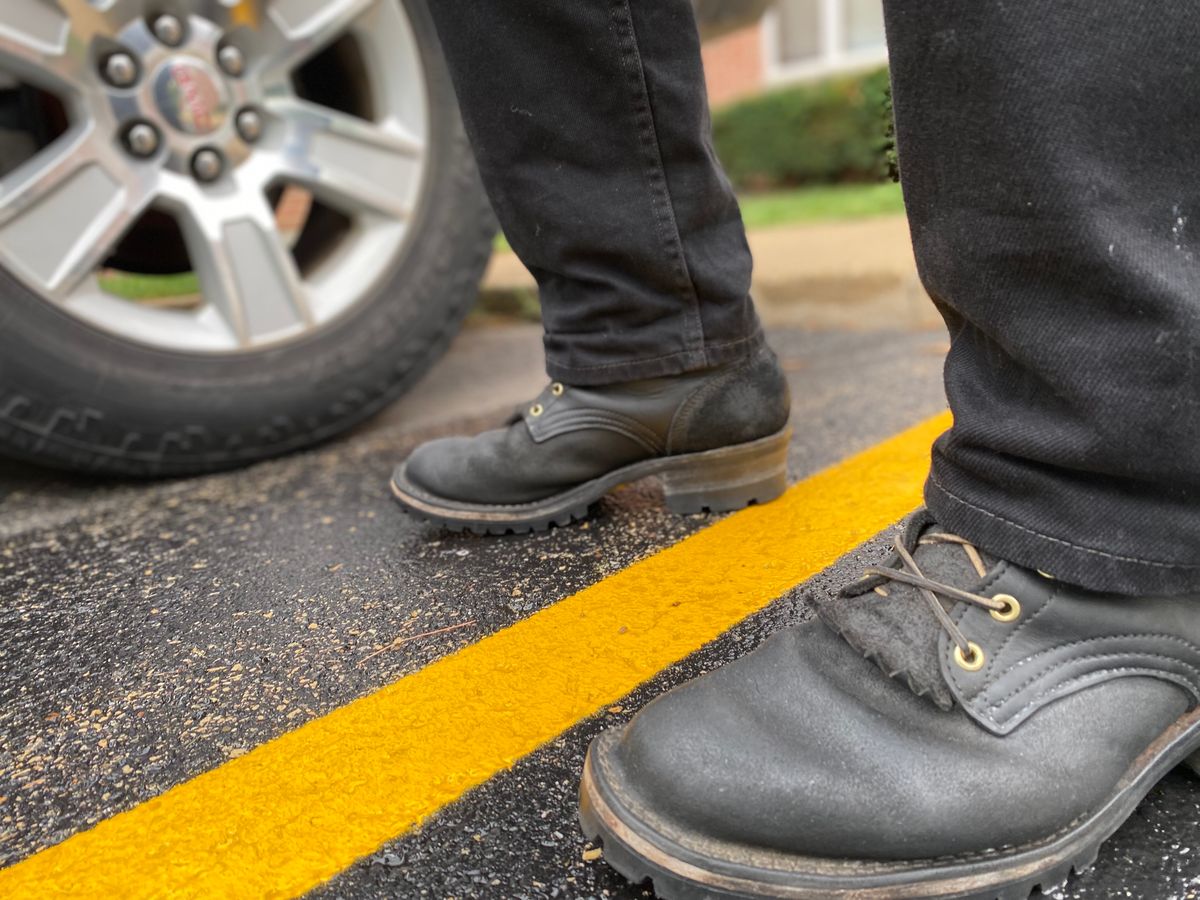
x=899, y=632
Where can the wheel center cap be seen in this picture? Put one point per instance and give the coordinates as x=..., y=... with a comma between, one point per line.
x=190, y=96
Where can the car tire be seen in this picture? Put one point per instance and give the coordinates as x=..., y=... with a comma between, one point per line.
x=77, y=397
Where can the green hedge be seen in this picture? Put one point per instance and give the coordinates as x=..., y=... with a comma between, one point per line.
x=820, y=133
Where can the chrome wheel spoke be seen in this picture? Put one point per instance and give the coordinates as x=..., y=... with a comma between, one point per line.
x=46, y=173
x=98, y=18
x=303, y=28
x=48, y=42
x=34, y=42
x=246, y=271
x=354, y=165
x=63, y=211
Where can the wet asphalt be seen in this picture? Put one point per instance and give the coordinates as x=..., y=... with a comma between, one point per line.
x=149, y=632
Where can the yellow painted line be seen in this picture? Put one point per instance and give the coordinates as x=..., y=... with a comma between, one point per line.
x=297, y=810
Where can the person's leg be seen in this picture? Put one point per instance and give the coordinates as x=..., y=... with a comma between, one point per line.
x=1054, y=207
x=590, y=124
x=959, y=724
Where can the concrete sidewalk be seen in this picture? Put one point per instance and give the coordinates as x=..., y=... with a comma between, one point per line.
x=856, y=274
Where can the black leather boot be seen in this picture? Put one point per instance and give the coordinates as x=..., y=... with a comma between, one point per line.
x=717, y=440
x=1023, y=721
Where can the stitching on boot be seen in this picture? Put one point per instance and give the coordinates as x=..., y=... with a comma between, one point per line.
x=1053, y=667
x=1097, y=677
x=703, y=392
x=1116, y=655
x=571, y=421
x=1024, y=624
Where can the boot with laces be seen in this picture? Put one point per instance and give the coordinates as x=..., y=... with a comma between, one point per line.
x=952, y=725
x=717, y=440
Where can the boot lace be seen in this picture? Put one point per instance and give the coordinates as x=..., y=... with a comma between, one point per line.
x=1003, y=607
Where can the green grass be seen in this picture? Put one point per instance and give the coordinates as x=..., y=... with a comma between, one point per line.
x=823, y=203
x=130, y=286
x=507, y=305
x=820, y=204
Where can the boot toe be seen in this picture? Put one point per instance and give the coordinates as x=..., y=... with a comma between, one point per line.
x=718, y=760
x=434, y=467
x=802, y=747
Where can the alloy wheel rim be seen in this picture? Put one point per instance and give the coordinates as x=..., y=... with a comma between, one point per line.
x=209, y=137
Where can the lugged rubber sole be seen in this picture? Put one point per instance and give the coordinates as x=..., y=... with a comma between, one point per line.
x=693, y=867
x=721, y=480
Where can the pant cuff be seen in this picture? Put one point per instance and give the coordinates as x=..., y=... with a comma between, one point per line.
x=709, y=357
x=1087, y=567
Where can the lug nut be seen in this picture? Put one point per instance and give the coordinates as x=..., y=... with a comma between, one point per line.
x=121, y=69
x=231, y=60
x=207, y=165
x=169, y=30
x=142, y=140
x=249, y=125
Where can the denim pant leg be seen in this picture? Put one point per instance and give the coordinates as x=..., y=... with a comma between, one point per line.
x=1048, y=156
x=589, y=119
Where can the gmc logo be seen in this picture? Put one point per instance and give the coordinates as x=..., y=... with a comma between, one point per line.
x=192, y=93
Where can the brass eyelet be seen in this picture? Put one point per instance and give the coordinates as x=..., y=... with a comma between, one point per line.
x=972, y=663
x=1046, y=575
x=536, y=410
x=1011, y=611
x=557, y=389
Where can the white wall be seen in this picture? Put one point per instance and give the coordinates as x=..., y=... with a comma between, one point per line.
x=806, y=39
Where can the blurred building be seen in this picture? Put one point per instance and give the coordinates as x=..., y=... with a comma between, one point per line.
x=798, y=40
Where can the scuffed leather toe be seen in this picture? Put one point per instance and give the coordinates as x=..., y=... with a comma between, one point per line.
x=802, y=747
x=436, y=467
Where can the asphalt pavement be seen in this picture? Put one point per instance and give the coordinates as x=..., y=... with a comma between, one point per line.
x=150, y=633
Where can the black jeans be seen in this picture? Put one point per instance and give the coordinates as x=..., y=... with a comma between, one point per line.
x=1046, y=151
x=589, y=119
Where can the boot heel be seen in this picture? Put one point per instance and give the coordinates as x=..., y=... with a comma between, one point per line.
x=729, y=478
